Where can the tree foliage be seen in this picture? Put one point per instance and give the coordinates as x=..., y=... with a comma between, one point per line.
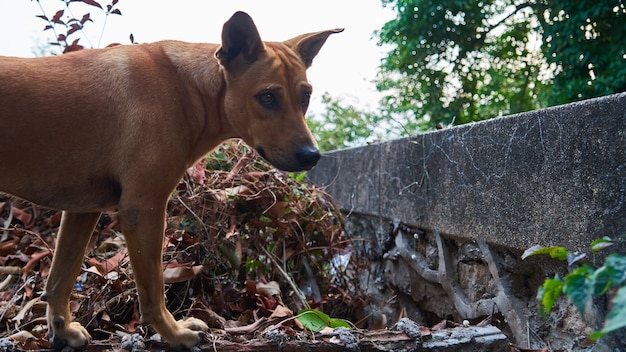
x=456, y=61
x=341, y=126
x=586, y=41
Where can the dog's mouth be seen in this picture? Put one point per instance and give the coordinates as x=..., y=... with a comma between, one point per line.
x=303, y=158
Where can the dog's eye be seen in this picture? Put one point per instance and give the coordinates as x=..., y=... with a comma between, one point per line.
x=268, y=100
x=306, y=98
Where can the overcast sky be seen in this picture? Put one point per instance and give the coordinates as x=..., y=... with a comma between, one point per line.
x=345, y=66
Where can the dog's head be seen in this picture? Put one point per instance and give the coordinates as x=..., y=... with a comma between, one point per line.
x=267, y=92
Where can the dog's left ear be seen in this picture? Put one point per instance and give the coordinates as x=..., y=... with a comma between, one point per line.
x=239, y=37
x=308, y=45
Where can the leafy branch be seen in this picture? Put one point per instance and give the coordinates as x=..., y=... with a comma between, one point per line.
x=65, y=25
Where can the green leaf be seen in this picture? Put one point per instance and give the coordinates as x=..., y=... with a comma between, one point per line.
x=339, y=323
x=579, y=286
x=299, y=177
x=611, y=274
x=596, y=335
x=264, y=218
x=616, y=318
x=601, y=243
x=557, y=252
x=549, y=292
x=617, y=263
x=602, y=280
x=313, y=319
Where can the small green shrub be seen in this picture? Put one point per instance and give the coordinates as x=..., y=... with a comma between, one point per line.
x=584, y=282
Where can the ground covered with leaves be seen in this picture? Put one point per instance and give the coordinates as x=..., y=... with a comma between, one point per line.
x=246, y=247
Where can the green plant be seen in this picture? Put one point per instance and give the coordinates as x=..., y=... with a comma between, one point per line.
x=584, y=282
x=316, y=320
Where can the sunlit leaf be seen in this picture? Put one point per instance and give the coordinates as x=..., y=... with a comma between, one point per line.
x=554, y=252
x=549, y=292
x=300, y=177
x=313, y=320
x=601, y=243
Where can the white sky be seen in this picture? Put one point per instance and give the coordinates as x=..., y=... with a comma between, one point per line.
x=345, y=66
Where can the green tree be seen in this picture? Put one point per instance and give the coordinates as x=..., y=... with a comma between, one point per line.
x=585, y=40
x=341, y=126
x=456, y=61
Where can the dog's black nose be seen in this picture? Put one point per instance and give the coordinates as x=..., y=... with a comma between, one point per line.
x=307, y=157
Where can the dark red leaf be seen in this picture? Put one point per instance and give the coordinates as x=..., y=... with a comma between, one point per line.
x=92, y=3
x=73, y=47
x=47, y=27
x=57, y=17
x=43, y=17
x=75, y=27
x=86, y=17
x=116, y=12
x=114, y=2
x=61, y=37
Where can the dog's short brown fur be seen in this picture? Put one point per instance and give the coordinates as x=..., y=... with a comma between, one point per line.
x=116, y=128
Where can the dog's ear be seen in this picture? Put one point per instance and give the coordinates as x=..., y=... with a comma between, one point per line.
x=308, y=45
x=239, y=37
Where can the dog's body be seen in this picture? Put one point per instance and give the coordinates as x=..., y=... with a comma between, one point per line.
x=116, y=128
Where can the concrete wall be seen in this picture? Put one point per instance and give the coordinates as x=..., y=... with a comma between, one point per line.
x=552, y=177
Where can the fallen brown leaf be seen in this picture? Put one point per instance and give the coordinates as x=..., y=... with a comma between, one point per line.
x=181, y=273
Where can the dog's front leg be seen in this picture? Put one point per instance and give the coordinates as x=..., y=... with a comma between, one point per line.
x=143, y=229
x=74, y=234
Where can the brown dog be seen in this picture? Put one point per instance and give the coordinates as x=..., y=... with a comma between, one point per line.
x=116, y=128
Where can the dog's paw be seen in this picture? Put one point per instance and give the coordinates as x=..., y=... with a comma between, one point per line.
x=193, y=324
x=72, y=335
x=191, y=333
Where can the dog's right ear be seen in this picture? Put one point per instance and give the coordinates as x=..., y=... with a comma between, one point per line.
x=240, y=39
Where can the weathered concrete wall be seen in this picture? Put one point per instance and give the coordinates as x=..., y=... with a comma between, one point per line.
x=552, y=177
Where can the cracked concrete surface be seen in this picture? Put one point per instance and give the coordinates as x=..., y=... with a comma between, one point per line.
x=552, y=177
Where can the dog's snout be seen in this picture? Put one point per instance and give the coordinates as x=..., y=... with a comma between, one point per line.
x=308, y=156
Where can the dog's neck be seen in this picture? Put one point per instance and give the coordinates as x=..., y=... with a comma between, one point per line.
x=205, y=95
